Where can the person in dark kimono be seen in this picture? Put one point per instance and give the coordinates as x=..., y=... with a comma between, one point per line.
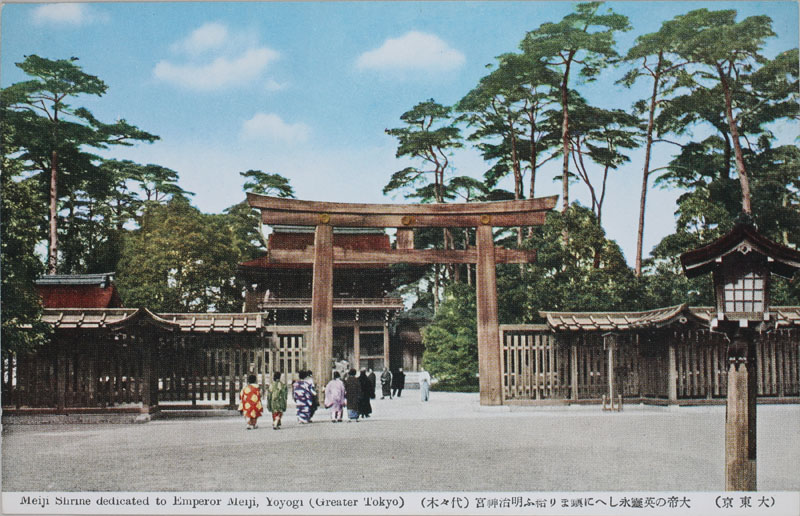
x=398, y=382
x=364, y=405
x=386, y=383
x=352, y=389
x=372, y=383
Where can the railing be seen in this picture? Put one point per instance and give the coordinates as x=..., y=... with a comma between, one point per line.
x=305, y=302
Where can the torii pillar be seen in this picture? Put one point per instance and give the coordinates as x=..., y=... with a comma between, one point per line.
x=324, y=216
x=322, y=303
x=489, y=370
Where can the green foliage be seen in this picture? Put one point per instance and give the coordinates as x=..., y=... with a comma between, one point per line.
x=588, y=273
x=430, y=134
x=22, y=328
x=515, y=126
x=52, y=137
x=451, y=341
x=265, y=183
x=181, y=261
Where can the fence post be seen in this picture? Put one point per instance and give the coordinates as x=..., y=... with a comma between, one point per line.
x=574, y=369
x=61, y=376
x=672, y=375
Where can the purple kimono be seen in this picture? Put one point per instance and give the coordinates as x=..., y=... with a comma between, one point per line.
x=335, y=398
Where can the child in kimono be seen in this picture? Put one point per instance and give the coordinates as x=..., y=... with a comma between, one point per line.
x=250, y=402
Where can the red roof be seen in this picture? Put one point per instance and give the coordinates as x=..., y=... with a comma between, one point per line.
x=79, y=296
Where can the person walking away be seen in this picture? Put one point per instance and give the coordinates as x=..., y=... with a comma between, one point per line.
x=364, y=405
x=352, y=389
x=314, y=397
x=424, y=384
x=398, y=382
x=372, y=383
x=335, y=398
x=386, y=383
x=250, y=402
x=303, y=395
x=276, y=400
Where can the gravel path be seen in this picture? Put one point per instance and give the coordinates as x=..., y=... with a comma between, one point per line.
x=449, y=443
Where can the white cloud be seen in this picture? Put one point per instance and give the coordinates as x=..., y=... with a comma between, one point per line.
x=271, y=128
x=214, y=57
x=412, y=51
x=220, y=73
x=273, y=85
x=207, y=37
x=64, y=14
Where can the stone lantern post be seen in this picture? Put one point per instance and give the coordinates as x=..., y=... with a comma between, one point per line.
x=741, y=262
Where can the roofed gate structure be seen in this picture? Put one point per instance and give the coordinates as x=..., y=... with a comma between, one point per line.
x=324, y=216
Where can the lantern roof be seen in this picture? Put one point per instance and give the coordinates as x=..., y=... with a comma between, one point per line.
x=743, y=238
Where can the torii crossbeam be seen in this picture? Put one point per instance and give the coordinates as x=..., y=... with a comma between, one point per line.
x=324, y=216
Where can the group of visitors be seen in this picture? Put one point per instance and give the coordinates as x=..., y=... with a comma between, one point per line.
x=250, y=401
x=354, y=392
x=392, y=384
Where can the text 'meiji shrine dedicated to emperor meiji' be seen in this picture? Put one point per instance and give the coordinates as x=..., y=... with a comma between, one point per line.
x=322, y=296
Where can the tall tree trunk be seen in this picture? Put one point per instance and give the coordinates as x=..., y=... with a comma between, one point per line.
x=646, y=172
x=435, y=288
x=532, y=188
x=52, y=255
x=744, y=180
x=565, y=133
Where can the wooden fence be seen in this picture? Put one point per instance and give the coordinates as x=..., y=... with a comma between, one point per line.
x=673, y=366
x=90, y=370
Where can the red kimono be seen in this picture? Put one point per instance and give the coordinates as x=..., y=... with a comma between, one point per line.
x=250, y=403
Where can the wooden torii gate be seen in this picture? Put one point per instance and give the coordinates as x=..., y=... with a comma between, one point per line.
x=324, y=216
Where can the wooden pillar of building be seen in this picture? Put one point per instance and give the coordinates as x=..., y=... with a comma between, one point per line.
x=740, y=413
x=386, y=345
x=672, y=375
x=322, y=304
x=574, y=369
x=356, y=346
x=488, y=328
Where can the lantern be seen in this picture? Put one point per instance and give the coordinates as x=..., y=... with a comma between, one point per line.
x=741, y=262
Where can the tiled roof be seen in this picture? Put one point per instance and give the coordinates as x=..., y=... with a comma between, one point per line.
x=614, y=321
x=100, y=280
x=784, y=261
x=86, y=318
x=784, y=316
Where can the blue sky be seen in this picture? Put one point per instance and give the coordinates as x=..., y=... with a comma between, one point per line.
x=306, y=89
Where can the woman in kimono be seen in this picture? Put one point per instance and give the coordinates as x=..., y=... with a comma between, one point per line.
x=303, y=394
x=364, y=405
x=276, y=400
x=250, y=402
x=335, y=398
